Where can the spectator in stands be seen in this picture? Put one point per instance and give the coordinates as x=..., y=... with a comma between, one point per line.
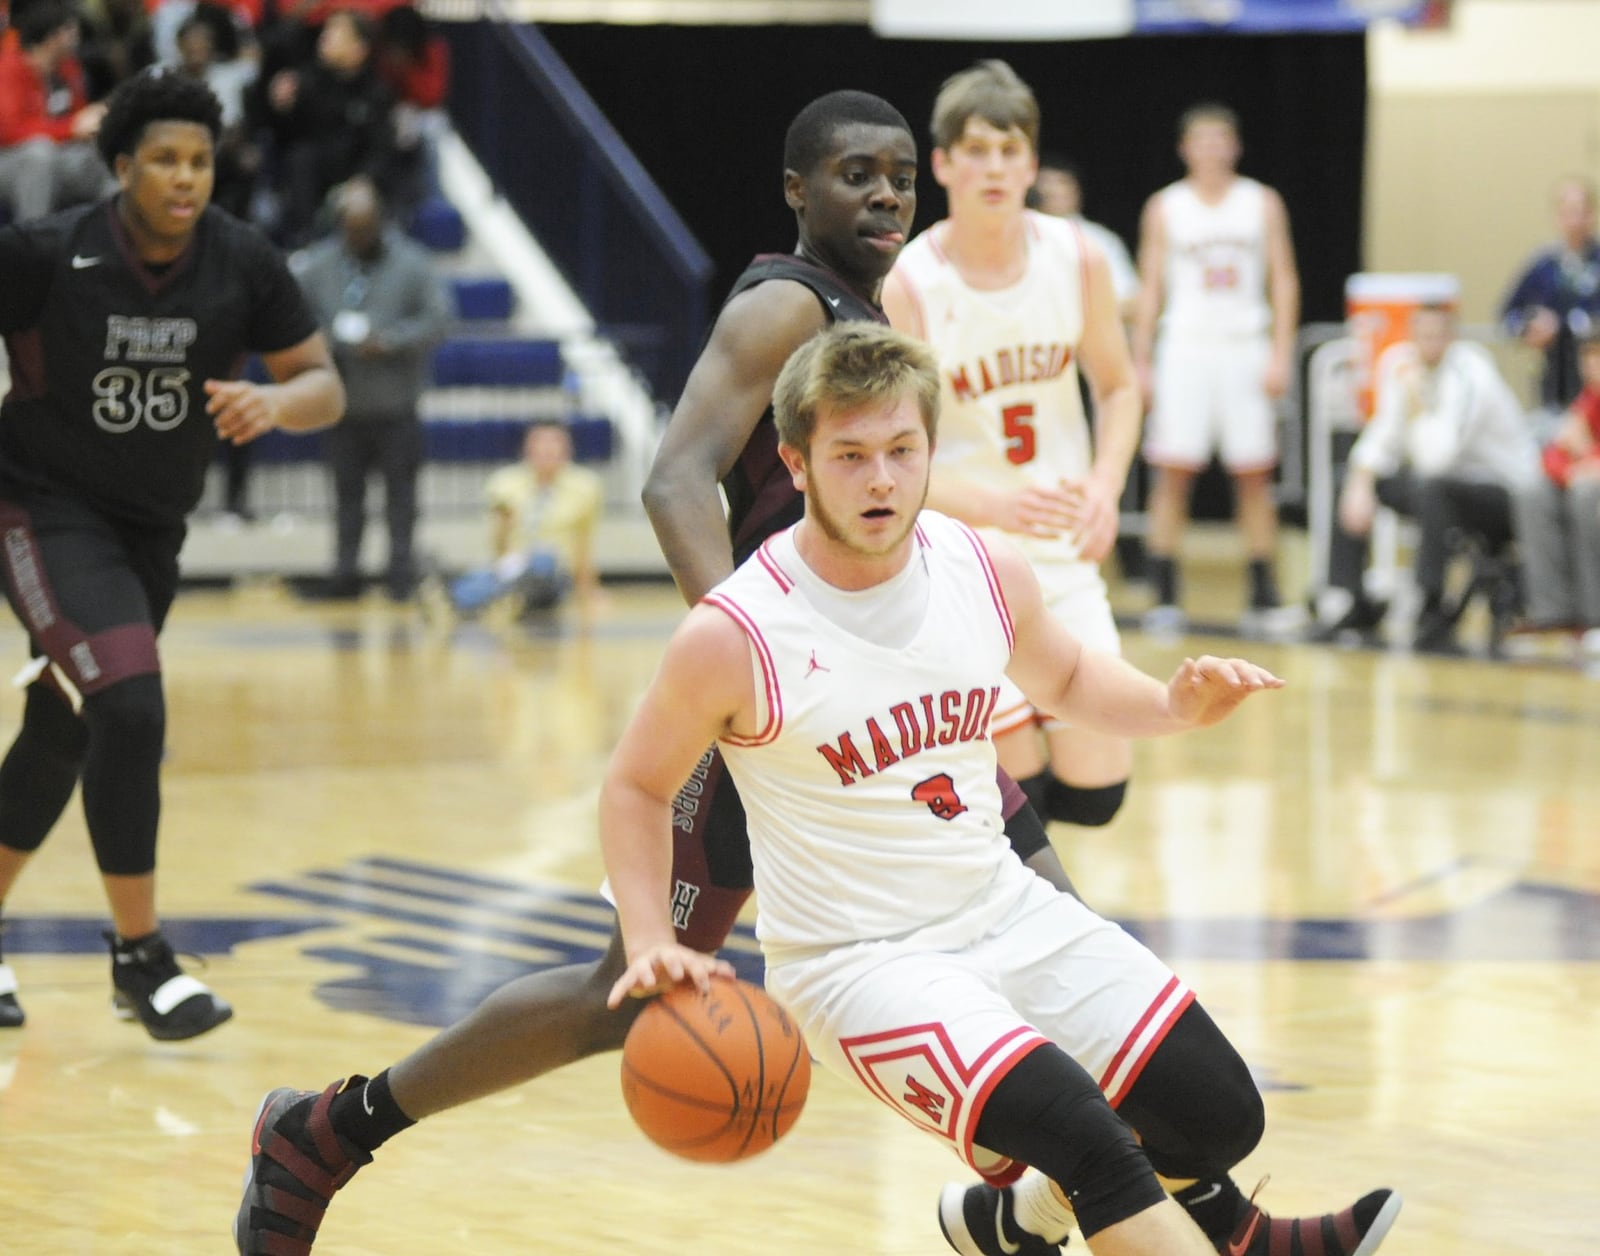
x=1558, y=516
x=117, y=43
x=1556, y=300
x=1059, y=192
x=330, y=120
x=543, y=513
x=1447, y=446
x=208, y=50
x=47, y=155
x=376, y=294
x=414, y=62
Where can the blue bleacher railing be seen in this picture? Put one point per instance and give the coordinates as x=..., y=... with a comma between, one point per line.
x=584, y=196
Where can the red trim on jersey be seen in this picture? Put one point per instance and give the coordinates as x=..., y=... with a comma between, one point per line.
x=922, y=537
x=1155, y=1039
x=769, y=672
x=1083, y=274
x=910, y=285
x=780, y=577
x=1016, y=716
x=995, y=591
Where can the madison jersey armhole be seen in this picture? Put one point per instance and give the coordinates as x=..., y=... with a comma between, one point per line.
x=768, y=697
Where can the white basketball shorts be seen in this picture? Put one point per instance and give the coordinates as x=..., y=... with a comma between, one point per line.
x=1075, y=596
x=1210, y=399
x=930, y=1033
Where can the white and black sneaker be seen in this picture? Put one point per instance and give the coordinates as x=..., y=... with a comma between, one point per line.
x=981, y=1220
x=148, y=986
x=11, y=1013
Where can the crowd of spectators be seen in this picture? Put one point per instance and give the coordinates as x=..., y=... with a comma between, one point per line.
x=313, y=94
x=1450, y=448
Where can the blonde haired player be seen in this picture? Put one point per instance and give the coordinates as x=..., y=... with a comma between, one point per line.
x=1012, y=301
x=846, y=670
x=1216, y=267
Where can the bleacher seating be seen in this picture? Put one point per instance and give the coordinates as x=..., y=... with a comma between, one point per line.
x=511, y=362
x=479, y=298
x=438, y=225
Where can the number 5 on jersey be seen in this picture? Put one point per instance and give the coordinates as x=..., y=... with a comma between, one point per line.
x=1017, y=421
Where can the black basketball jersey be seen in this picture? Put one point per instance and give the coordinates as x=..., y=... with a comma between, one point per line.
x=109, y=356
x=761, y=494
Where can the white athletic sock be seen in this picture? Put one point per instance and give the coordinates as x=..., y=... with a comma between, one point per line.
x=1040, y=1210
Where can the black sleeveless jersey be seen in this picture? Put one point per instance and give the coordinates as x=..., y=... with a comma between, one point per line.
x=761, y=496
x=109, y=356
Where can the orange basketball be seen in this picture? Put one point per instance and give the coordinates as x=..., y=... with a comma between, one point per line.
x=715, y=1077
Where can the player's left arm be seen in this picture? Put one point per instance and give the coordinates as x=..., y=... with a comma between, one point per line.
x=1283, y=295
x=703, y=689
x=306, y=393
x=1118, y=406
x=1094, y=689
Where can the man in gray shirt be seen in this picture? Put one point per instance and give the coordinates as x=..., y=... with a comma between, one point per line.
x=383, y=308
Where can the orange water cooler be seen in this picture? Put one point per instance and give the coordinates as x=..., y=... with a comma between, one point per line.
x=1378, y=309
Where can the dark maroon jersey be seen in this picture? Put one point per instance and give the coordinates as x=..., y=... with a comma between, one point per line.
x=109, y=356
x=761, y=495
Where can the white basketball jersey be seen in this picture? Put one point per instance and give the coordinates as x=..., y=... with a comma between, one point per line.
x=870, y=790
x=1216, y=268
x=1012, y=414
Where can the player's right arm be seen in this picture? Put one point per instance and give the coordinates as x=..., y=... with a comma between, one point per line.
x=306, y=393
x=1152, y=292
x=703, y=689
x=728, y=390
x=1094, y=689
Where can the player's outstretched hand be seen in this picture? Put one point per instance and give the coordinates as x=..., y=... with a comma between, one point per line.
x=1207, y=689
x=240, y=410
x=662, y=967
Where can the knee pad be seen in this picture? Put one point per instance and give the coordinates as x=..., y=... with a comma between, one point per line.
x=1091, y=807
x=132, y=710
x=1037, y=789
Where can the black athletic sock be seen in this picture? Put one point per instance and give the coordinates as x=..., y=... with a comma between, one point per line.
x=367, y=1114
x=1213, y=1205
x=1263, y=585
x=1162, y=573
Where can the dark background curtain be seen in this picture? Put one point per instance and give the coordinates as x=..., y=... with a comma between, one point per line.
x=705, y=109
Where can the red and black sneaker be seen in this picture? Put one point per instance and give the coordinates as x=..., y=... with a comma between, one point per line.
x=297, y=1162
x=1356, y=1231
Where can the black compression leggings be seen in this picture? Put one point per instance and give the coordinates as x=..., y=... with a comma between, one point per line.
x=1195, y=1106
x=115, y=746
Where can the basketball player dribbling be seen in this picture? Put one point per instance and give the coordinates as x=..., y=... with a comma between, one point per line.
x=918, y=955
x=125, y=323
x=1216, y=267
x=850, y=173
x=1013, y=302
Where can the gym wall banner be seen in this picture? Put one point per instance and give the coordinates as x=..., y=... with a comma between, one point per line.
x=1109, y=19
